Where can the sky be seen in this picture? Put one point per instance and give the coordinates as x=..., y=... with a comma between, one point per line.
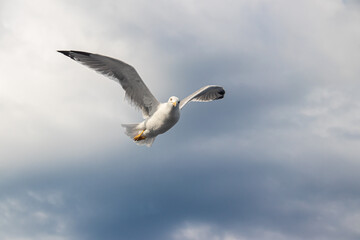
x=277, y=158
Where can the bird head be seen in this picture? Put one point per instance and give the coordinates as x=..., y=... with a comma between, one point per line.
x=174, y=101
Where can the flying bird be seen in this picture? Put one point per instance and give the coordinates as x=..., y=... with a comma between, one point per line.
x=158, y=117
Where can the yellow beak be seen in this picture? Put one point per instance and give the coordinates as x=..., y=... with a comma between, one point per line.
x=174, y=103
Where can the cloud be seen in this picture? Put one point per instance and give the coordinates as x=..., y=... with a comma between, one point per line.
x=30, y=216
x=221, y=195
x=275, y=159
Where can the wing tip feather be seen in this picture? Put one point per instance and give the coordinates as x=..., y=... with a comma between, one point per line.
x=66, y=53
x=70, y=53
x=222, y=94
x=81, y=53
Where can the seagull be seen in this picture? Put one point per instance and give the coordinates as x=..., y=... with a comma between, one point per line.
x=158, y=117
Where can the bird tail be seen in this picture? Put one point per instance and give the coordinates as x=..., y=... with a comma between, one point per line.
x=134, y=129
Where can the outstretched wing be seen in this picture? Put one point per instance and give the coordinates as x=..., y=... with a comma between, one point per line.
x=135, y=89
x=204, y=94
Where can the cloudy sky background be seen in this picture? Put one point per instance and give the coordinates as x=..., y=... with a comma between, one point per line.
x=277, y=158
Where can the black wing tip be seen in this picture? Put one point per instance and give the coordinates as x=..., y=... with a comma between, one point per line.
x=222, y=93
x=66, y=53
x=69, y=53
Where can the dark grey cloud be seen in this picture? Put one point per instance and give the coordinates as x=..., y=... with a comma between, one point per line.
x=120, y=199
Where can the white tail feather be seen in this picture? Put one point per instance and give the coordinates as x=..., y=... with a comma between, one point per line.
x=134, y=129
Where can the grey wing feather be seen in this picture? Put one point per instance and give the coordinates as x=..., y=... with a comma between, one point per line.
x=135, y=89
x=204, y=94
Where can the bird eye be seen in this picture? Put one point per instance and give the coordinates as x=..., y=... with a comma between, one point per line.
x=171, y=99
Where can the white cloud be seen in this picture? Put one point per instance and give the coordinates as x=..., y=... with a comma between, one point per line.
x=202, y=232
x=207, y=232
x=51, y=106
x=23, y=218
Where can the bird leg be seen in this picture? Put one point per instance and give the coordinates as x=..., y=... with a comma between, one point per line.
x=139, y=137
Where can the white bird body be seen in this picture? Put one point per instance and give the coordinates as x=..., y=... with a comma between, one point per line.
x=162, y=120
x=158, y=117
